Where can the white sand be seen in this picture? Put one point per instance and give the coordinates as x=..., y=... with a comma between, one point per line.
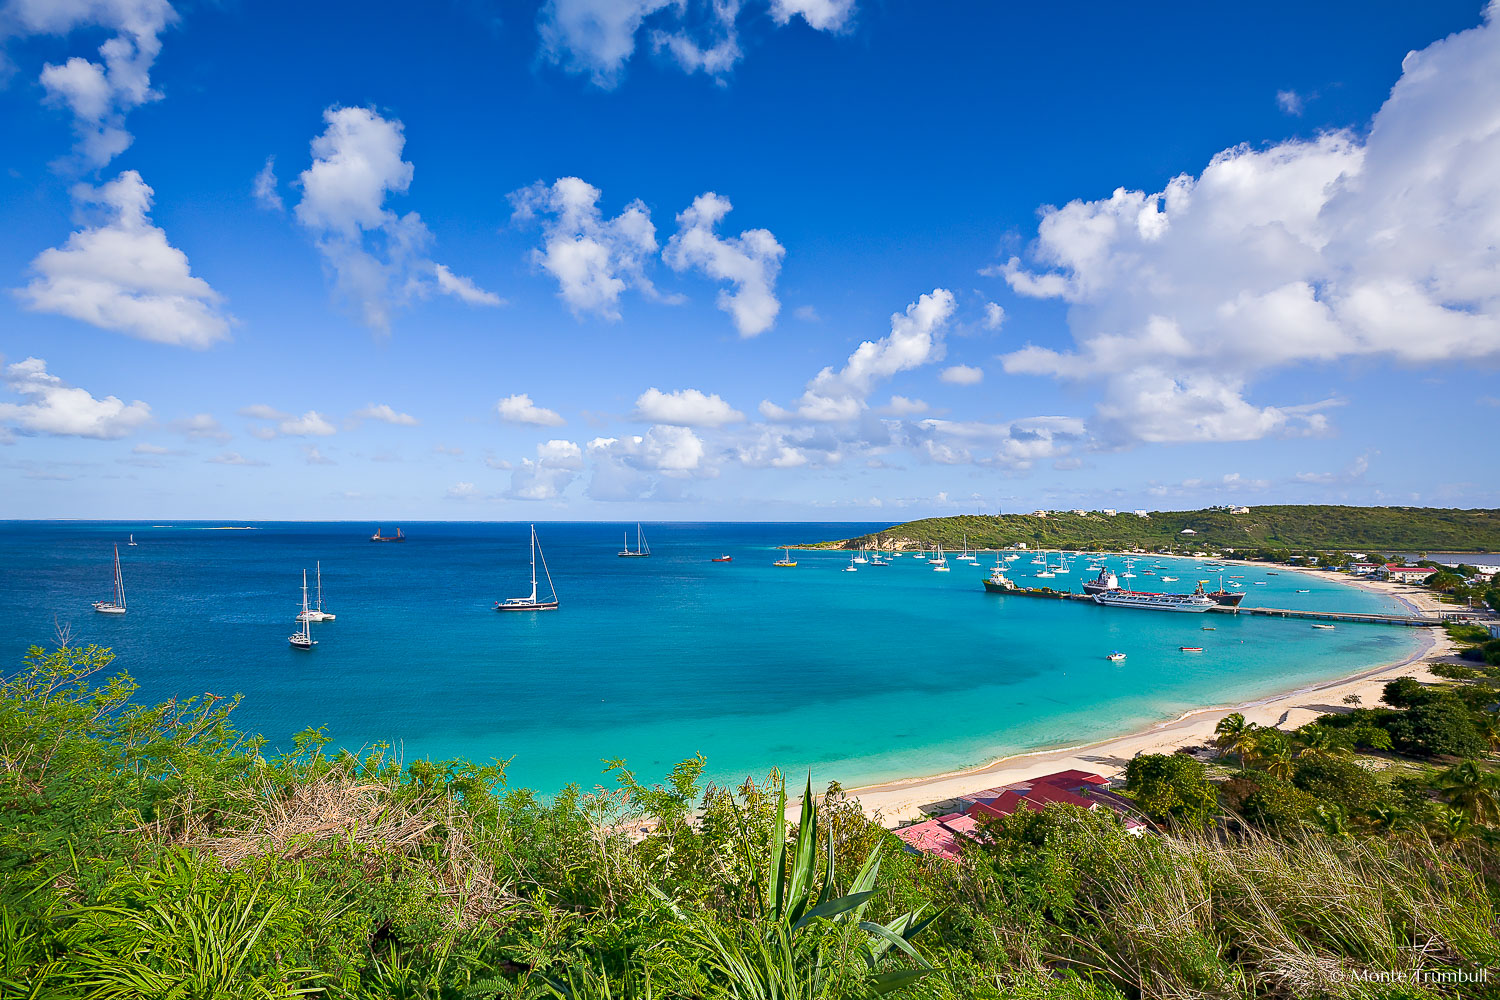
x=897, y=801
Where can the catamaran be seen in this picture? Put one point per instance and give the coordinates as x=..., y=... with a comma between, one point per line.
x=317, y=614
x=641, y=550
x=303, y=639
x=117, y=605
x=532, y=603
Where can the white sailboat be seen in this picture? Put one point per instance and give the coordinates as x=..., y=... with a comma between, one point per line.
x=117, y=605
x=303, y=639
x=532, y=603
x=641, y=550
x=317, y=614
x=859, y=558
x=851, y=568
x=132, y=540
x=939, y=564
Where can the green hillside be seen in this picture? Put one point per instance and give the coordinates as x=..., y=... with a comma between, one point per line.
x=1378, y=529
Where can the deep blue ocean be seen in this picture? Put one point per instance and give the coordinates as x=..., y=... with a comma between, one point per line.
x=886, y=672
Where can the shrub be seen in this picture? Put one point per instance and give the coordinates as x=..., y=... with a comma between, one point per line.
x=1172, y=788
x=1441, y=726
x=1337, y=780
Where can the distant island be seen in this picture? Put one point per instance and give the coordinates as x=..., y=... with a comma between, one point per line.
x=1273, y=528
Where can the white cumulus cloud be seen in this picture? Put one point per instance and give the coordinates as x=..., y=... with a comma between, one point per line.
x=385, y=413
x=1385, y=246
x=519, y=409
x=750, y=262
x=915, y=339
x=264, y=186
x=685, y=407
x=54, y=407
x=598, y=37
x=98, y=94
x=593, y=259
x=122, y=274
x=962, y=375
x=556, y=465
x=379, y=259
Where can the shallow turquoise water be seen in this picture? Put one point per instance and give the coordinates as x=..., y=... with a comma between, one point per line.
x=886, y=672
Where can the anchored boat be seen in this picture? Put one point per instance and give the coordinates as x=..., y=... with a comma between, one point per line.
x=531, y=603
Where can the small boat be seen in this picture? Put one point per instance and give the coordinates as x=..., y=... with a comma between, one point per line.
x=1322, y=626
x=303, y=639
x=851, y=568
x=641, y=550
x=532, y=603
x=132, y=540
x=1304, y=592
x=786, y=563
x=317, y=614
x=116, y=606
x=1116, y=656
x=397, y=537
x=1260, y=583
x=1169, y=579
x=1191, y=649
x=1148, y=572
x=722, y=559
x=1268, y=573
x=1210, y=628
x=1045, y=574
x=1239, y=585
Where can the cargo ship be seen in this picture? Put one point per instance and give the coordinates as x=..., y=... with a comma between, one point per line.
x=397, y=537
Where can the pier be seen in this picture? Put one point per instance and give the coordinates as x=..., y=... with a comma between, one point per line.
x=1415, y=621
x=1411, y=621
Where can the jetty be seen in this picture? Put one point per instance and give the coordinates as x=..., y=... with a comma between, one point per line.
x=1411, y=621
x=1415, y=621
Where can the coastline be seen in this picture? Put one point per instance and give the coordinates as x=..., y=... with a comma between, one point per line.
x=903, y=799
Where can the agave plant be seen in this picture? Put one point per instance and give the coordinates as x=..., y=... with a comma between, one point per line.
x=807, y=936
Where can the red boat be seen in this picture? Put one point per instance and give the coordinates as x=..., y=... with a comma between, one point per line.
x=722, y=559
x=378, y=537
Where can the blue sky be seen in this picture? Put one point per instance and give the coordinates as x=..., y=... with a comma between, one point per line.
x=617, y=259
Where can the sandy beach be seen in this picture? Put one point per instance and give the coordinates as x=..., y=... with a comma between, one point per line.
x=898, y=801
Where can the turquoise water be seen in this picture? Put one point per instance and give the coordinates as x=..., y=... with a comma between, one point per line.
x=889, y=671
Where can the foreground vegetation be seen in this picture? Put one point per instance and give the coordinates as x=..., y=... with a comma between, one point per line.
x=157, y=852
x=1290, y=528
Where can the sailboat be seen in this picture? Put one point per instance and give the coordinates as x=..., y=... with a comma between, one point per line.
x=116, y=606
x=303, y=639
x=132, y=540
x=786, y=563
x=851, y=568
x=859, y=558
x=939, y=564
x=531, y=603
x=641, y=550
x=317, y=614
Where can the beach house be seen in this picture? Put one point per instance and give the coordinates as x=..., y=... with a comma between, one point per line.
x=1404, y=574
x=946, y=834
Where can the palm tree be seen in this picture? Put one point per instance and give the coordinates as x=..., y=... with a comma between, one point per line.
x=1489, y=728
x=1235, y=735
x=1473, y=792
x=1444, y=822
x=1319, y=744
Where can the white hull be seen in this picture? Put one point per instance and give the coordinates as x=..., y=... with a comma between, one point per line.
x=108, y=609
x=1193, y=603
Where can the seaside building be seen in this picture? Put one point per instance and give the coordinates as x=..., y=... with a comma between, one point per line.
x=1362, y=568
x=946, y=834
x=1405, y=574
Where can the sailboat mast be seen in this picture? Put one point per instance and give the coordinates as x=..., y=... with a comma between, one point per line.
x=119, y=579
x=306, y=626
x=533, y=564
x=320, y=585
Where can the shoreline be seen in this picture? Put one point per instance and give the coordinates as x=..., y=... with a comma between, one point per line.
x=903, y=799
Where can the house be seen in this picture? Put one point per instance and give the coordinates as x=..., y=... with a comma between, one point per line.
x=1039, y=513
x=1362, y=568
x=1404, y=574
x=1141, y=513
x=1239, y=510
x=1109, y=512
x=1080, y=513
x=931, y=837
x=1187, y=531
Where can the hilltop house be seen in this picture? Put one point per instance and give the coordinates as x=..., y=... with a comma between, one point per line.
x=1187, y=531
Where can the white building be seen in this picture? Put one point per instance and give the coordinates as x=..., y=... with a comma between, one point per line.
x=1141, y=513
x=1109, y=512
x=1187, y=531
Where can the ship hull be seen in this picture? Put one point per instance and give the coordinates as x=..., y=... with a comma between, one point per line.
x=1153, y=602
